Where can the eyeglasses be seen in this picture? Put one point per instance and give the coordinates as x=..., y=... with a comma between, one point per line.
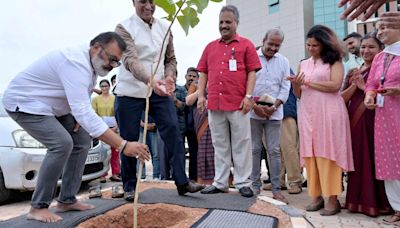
x=114, y=62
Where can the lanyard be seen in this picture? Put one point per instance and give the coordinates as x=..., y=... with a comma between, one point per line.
x=386, y=67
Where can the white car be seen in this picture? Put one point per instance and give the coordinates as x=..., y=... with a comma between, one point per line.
x=21, y=156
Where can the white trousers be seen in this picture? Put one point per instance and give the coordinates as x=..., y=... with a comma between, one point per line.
x=231, y=137
x=392, y=188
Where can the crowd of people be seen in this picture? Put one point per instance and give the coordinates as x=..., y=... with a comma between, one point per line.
x=333, y=116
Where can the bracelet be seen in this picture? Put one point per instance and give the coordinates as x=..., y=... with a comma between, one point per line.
x=122, y=146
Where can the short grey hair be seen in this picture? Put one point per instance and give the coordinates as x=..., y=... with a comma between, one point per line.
x=233, y=9
x=274, y=31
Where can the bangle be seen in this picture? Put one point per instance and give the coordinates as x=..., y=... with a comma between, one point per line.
x=122, y=146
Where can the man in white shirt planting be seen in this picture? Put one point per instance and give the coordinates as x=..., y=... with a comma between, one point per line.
x=51, y=100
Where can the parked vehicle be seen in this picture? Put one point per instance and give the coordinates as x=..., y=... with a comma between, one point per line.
x=21, y=157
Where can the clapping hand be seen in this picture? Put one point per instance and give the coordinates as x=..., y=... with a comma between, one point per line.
x=297, y=80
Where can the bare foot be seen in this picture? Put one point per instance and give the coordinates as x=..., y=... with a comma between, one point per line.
x=78, y=206
x=43, y=215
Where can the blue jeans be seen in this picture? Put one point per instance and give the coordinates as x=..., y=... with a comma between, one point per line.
x=128, y=111
x=272, y=134
x=151, y=141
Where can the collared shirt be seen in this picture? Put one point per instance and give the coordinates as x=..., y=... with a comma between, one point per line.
x=353, y=62
x=226, y=89
x=271, y=79
x=57, y=84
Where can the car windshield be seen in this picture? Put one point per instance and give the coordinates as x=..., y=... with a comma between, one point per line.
x=3, y=112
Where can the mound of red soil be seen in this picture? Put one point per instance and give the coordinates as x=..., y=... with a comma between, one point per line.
x=166, y=215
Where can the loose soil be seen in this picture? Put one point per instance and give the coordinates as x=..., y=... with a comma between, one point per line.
x=168, y=215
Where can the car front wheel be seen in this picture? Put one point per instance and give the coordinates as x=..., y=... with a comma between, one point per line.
x=4, y=192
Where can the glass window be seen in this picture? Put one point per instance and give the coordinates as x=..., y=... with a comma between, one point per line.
x=273, y=8
x=273, y=2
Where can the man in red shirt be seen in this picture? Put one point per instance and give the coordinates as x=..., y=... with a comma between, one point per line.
x=229, y=66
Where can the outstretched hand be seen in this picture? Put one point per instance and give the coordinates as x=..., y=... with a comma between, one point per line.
x=357, y=7
x=164, y=87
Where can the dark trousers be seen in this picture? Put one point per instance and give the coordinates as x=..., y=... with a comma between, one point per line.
x=192, y=144
x=128, y=112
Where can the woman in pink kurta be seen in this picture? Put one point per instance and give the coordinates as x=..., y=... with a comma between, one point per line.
x=323, y=122
x=383, y=95
x=325, y=141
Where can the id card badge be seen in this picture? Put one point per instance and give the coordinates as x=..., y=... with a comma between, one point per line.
x=232, y=65
x=380, y=100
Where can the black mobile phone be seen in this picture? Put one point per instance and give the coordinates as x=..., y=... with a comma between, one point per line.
x=264, y=103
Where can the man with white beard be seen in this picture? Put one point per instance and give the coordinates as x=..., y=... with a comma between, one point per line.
x=50, y=100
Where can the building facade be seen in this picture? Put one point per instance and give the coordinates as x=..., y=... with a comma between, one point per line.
x=369, y=25
x=327, y=13
x=294, y=17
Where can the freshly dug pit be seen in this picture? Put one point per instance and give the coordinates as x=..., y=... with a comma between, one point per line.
x=167, y=215
x=155, y=215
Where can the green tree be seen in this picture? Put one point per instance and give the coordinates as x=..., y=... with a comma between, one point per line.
x=186, y=11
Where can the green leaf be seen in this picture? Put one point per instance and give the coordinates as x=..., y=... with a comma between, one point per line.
x=167, y=5
x=191, y=16
x=200, y=4
x=179, y=4
x=216, y=0
x=188, y=19
x=184, y=24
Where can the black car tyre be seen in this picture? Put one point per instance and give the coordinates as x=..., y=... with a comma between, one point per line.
x=5, y=193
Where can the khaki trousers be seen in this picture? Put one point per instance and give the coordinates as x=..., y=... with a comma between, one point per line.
x=290, y=153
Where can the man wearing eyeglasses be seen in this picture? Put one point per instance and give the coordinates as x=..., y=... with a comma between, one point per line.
x=50, y=100
x=144, y=36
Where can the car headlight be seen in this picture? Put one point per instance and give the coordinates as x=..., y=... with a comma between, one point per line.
x=24, y=140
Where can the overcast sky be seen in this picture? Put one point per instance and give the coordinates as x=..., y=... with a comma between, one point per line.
x=31, y=28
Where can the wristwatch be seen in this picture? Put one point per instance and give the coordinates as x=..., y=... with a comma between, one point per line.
x=249, y=96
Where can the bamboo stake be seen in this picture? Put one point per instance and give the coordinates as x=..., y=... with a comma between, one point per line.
x=146, y=116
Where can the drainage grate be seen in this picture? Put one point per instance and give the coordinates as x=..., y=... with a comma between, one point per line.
x=233, y=219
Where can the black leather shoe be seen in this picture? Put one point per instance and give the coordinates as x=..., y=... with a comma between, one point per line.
x=246, y=192
x=190, y=187
x=211, y=190
x=129, y=196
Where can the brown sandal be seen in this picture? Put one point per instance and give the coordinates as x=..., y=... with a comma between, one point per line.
x=316, y=207
x=392, y=220
x=325, y=212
